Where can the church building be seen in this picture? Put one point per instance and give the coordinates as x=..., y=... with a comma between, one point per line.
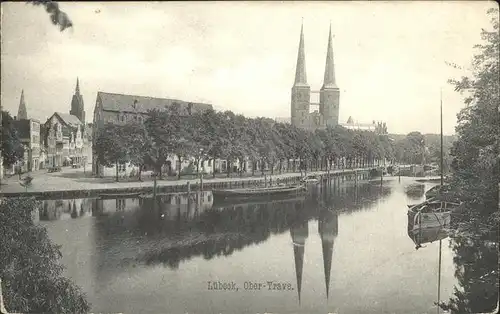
x=329, y=94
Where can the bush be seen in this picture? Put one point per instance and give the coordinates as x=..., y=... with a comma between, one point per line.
x=190, y=169
x=375, y=173
x=390, y=170
x=29, y=265
x=133, y=173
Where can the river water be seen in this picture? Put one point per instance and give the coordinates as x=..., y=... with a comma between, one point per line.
x=338, y=249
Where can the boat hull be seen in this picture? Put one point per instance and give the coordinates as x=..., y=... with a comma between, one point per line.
x=430, y=220
x=118, y=195
x=256, y=192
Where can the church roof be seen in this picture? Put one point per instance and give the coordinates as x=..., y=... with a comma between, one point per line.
x=142, y=104
x=69, y=119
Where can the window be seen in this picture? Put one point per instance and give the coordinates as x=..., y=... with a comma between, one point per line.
x=209, y=163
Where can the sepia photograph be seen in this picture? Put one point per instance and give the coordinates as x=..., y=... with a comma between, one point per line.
x=329, y=157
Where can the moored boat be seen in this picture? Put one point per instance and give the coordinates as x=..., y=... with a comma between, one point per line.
x=432, y=213
x=437, y=190
x=421, y=236
x=310, y=180
x=119, y=195
x=228, y=202
x=258, y=191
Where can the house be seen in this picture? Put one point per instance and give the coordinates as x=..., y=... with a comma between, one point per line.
x=28, y=131
x=64, y=132
x=120, y=109
x=377, y=127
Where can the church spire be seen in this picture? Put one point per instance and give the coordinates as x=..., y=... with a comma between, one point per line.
x=77, y=89
x=22, y=113
x=329, y=79
x=77, y=107
x=328, y=230
x=300, y=71
x=299, y=235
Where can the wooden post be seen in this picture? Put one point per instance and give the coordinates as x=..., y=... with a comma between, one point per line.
x=154, y=186
x=189, y=187
x=2, y=306
x=201, y=181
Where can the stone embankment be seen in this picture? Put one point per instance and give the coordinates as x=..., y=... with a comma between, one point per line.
x=56, y=187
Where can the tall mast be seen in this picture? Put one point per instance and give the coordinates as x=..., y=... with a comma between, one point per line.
x=440, y=241
x=441, y=118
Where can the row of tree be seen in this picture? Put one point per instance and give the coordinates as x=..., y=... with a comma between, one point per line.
x=251, y=142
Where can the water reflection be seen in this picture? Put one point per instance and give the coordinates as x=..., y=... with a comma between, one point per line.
x=328, y=226
x=64, y=209
x=136, y=251
x=415, y=191
x=476, y=268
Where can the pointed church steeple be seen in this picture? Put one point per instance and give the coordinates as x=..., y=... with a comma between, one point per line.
x=299, y=235
x=77, y=106
x=77, y=89
x=328, y=230
x=300, y=71
x=329, y=79
x=21, y=112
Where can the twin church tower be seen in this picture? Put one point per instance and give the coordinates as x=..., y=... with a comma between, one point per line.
x=328, y=113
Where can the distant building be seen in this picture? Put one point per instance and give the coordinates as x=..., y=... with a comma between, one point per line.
x=283, y=120
x=22, y=113
x=65, y=135
x=77, y=106
x=68, y=131
x=28, y=131
x=329, y=95
x=121, y=108
x=377, y=127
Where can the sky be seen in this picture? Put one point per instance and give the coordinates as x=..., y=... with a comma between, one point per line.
x=241, y=56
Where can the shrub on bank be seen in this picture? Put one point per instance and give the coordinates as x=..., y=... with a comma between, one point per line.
x=374, y=173
x=31, y=274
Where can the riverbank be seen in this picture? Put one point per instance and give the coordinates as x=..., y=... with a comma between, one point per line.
x=47, y=185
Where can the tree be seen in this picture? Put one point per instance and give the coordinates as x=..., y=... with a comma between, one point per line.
x=57, y=16
x=29, y=265
x=475, y=176
x=111, y=146
x=475, y=153
x=12, y=148
x=138, y=145
x=161, y=132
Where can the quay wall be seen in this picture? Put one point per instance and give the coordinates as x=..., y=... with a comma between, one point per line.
x=191, y=185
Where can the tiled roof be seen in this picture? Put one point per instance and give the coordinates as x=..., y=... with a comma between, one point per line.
x=142, y=104
x=69, y=119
